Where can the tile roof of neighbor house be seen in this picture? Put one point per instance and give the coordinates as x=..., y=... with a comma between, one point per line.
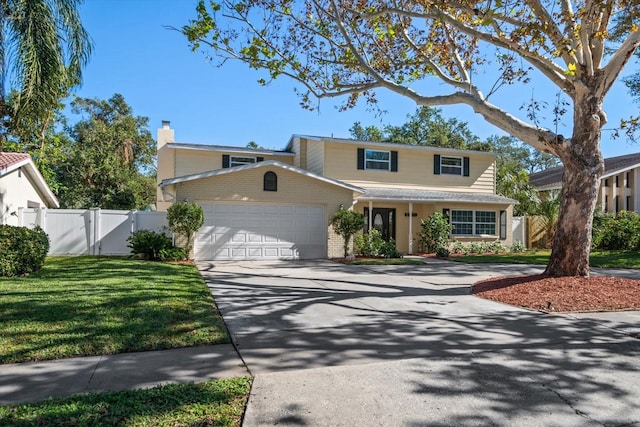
x=12, y=159
x=401, y=195
x=268, y=163
x=553, y=177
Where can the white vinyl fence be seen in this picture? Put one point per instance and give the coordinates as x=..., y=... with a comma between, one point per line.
x=90, y=231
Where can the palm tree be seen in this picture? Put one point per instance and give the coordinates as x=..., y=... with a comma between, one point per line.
x=43, y=48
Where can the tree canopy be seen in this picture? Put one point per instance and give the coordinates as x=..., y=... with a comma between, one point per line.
x=108, y=157
x=354, y=48
x=43, y=48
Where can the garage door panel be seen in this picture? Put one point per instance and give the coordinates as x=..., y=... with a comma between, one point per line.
x=237, y=231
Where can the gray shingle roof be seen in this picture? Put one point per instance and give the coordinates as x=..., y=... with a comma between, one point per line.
x=612, y=166
x=393, y=194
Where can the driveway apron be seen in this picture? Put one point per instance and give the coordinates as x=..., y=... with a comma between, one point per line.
x=332, y=345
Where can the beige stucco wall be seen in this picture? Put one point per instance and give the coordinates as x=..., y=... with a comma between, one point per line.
x=17, y=191
x=292, y=188
x=415, y=169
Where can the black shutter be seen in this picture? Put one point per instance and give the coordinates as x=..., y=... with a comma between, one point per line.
x=503, y=225
x=394, y=161
x=445, y=213
x=465, y=166
x=260, y=159
x=436, y=164
x=225, y=160
x=360, y=158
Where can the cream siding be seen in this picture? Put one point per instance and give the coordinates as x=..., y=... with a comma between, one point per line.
x=415, y=169
x=315, y=156
x=189, y=162
x=17, y=190
x=292, y=188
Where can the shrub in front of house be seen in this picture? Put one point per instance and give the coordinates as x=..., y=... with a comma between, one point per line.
x=368, y=244
x=616, y=231
x=434, y=232
x=152, y=245
x=22, y=250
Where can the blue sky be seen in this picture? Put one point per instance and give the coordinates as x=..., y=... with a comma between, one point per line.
x=159, y=76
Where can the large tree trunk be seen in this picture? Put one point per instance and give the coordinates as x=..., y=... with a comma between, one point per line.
x=583, y=167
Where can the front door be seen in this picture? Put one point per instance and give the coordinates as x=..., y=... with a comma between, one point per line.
x=383, y=220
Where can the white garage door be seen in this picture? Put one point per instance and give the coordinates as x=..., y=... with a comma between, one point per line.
x=245, y=231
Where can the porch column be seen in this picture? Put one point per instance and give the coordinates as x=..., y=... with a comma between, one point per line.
x=370, y=215
x=410, y=228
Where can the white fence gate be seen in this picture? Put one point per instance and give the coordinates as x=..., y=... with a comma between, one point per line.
x=519, y=229
x=90, y=231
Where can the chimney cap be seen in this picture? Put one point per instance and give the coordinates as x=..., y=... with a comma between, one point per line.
x=166, y=123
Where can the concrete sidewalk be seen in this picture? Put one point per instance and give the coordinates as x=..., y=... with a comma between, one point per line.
x=26, y=382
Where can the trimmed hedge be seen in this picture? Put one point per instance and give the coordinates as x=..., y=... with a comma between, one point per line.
x=22, y=250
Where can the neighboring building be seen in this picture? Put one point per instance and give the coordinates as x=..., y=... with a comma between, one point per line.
x=21, y=186
x=619, y=185
x=268, y=204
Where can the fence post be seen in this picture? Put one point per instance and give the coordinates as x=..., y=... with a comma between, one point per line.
x=41, y=218
x=95, y=213
x=133, y=217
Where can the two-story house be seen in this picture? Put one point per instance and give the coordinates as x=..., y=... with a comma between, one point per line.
x=619, y=185
x=268, y=204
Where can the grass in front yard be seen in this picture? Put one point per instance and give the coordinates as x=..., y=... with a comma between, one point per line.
x=604, y=259
x=212, y=403
x=381, y=261
x=86, y=306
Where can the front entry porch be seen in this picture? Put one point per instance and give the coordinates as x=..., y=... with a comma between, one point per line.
x=475, y=217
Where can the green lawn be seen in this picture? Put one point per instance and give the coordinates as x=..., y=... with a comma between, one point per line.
x=85, y=306
x=606, y=259
x=212, y=403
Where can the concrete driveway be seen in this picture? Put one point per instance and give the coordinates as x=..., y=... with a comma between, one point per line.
x=336, y=345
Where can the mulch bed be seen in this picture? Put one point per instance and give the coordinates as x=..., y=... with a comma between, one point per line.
x=562, y=294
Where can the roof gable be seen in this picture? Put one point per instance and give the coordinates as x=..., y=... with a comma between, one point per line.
x=268, y=163
x=10, y=162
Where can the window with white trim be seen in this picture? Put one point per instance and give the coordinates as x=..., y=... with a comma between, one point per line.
x=239, y=161
x=473, y=222
x=377, y=160
x=451, y=165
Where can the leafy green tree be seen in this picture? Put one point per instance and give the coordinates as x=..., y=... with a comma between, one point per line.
x=109, y=158
x=347, y=223
x=369, y=133
x=185, y=219
x=432, y=52
x=43, y=47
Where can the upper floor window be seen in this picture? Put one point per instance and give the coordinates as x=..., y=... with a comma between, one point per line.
x=379, y=160
x=617, y=181
x=229, y=161
x=239, y=161
x=628, y=180
x=270, y=181
x=606, y=182
x=449, y=165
